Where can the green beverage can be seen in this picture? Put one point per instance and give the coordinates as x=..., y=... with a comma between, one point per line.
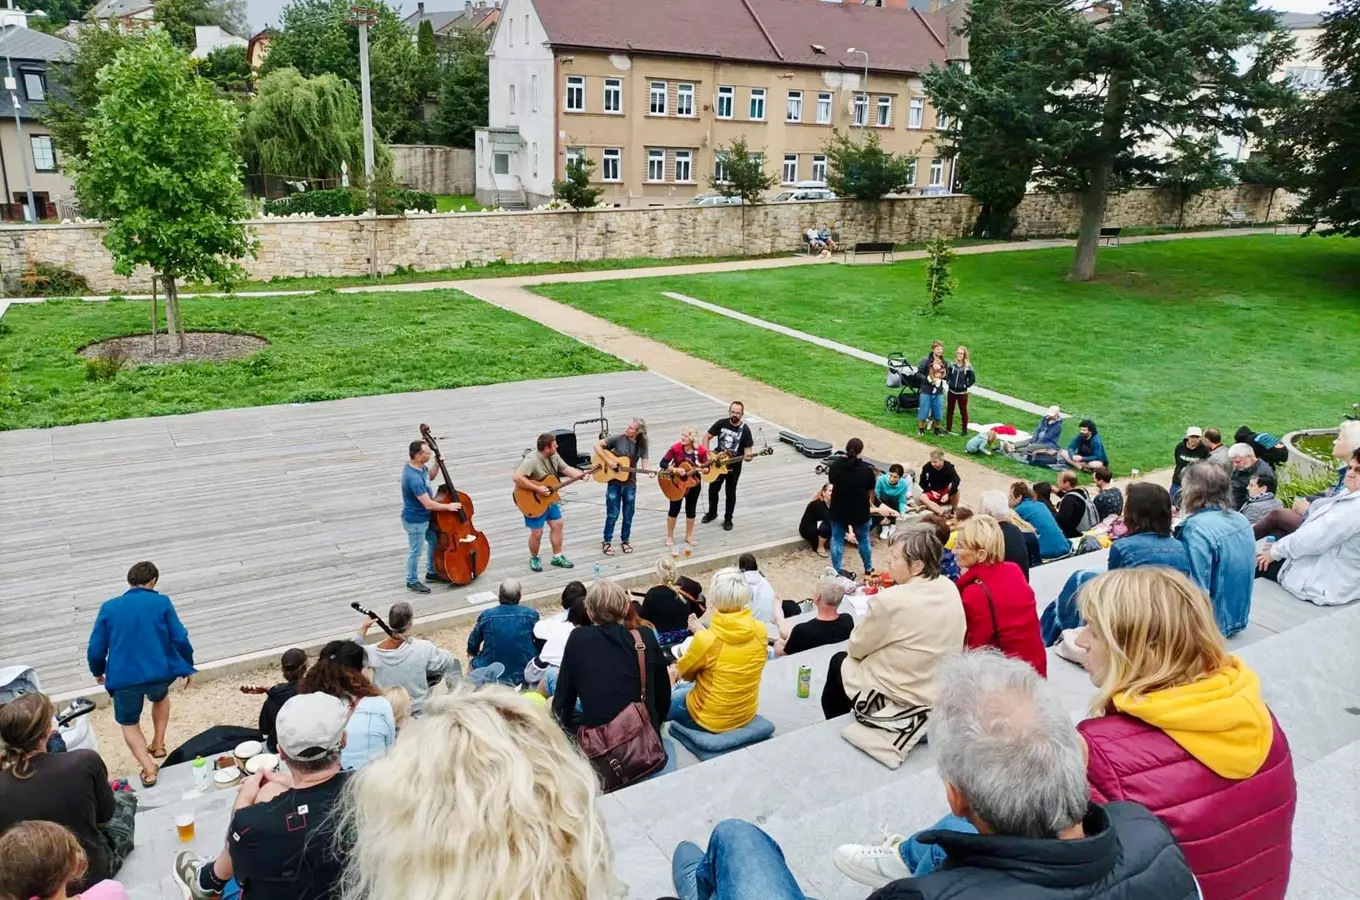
x=804, y=682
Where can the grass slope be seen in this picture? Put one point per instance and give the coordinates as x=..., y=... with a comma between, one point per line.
x=1245, y=330
x=323, y=347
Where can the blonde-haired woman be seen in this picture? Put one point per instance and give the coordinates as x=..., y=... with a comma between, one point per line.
x=686, y=450
x=998, y=602
x=506, y=810
x=961, y=377
x=1180, y=727
x=621, y=496
x=724, y=661
x=663, y=606
x=599, y=676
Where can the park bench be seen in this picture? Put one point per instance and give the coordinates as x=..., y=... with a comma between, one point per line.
x=884, y=249
x=1110, y=235
x=1235, y=217
x=806, y=245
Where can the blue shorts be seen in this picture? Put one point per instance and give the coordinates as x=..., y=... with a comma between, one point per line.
x=127, y=702
x=552, y=515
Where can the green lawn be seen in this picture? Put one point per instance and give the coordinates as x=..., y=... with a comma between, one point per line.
x=455, y=202
x=322, y=347
x=1260, y=330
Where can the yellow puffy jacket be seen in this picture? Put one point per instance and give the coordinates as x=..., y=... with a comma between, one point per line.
x=725, y=662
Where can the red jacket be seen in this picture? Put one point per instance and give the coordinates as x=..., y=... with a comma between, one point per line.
x=1235, y=834
x=1015, y=617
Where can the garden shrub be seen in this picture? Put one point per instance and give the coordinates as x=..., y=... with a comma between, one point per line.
x=42, y=279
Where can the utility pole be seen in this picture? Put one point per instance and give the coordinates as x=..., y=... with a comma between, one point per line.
x=864, y=86
x=364, y=17
x=12, y=85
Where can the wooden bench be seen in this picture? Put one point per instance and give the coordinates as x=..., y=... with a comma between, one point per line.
x=1288, y=228
x=1235, y=217
x=1110, y=235
x=884, y=249
x=805, y=246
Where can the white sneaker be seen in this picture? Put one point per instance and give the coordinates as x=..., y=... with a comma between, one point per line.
x=872, y=865
x=1067, y=647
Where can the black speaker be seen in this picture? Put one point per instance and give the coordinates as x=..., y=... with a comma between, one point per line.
x=566, y=447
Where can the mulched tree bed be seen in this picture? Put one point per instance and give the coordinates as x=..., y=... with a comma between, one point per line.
x=199, y=346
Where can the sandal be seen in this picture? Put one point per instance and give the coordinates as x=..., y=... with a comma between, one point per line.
x=607, y=548
x=625, y=547
x=156, y=752
x=149, y=782
x=689, y=548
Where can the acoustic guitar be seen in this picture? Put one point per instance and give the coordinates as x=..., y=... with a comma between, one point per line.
x=721, y=462
x=534, y=504
x=677, y=480
x=609, y=467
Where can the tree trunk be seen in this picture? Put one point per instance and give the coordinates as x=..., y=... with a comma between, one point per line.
x=1180, y=213
x=172, y=302
x=1270, y=201
x=1092, y=216
x=743, y=226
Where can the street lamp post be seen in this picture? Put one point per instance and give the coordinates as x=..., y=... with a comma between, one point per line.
x=12, y=86
x=364, y=17
x=865, y=90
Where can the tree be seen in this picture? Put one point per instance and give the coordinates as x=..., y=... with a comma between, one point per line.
x=163, y=172
x=1271, y=165
x=228, y=68
x=1090, y=84
x=304, y=127
x=1323, y=133
x=178, y=18
x=464, y=90
x=76, y=88
x=429, y=57
x=745, y=177
x=397, y=76
x=57, y=12
x=940, y=282
x=1195, y=165
x=865, y=171
x=313, y=38
x=576, y=190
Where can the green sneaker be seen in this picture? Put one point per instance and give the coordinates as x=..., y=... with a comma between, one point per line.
x=562, y=562
x=535, y=565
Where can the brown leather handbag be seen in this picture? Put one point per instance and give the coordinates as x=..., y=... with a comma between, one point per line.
x=628, y=748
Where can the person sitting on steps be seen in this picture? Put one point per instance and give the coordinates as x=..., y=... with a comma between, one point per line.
x=831, y=626
x=1076, y=513
x=1261, y=499
x=1109, y=500
x=892, y=495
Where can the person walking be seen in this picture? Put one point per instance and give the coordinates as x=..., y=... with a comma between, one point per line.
x=852, y=487
x=137, y=649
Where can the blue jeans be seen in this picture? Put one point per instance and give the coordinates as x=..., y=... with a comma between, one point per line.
x=679, y=712
x=619, y=496
x=1062, y=613
x=741, y=863
x=866, y=553
x=922, y=859
x=418, y=533
x=932, y=407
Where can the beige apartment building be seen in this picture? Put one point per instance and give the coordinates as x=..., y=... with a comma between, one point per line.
x=652, y=92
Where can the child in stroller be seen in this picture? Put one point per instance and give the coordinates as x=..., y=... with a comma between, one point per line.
x=905, y=377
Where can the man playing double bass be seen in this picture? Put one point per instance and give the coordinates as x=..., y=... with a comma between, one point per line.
x=417, y=502
x=536, y=466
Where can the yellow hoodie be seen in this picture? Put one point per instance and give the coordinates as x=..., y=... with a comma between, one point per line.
x=725, y=661
x=1220, y=720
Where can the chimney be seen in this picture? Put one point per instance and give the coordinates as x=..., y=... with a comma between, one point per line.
x=420, y=10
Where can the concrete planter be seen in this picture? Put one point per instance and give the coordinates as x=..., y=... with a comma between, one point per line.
x=1305, y=462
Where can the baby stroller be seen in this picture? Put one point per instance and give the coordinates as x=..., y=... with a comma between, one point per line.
x=74, y=728
x=903, y=376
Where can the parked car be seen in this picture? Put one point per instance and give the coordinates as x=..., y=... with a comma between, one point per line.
x=804, y=190
x=714, y=199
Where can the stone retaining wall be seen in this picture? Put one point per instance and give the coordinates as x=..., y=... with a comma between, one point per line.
x=346, y=245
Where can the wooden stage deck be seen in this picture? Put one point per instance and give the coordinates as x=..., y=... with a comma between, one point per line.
x=267, y=522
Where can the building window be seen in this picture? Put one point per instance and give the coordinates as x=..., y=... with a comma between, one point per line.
x=533, y=92
x=34, y=85
x=656, y=164
x=684, y=165
x=884, y=111
x=757, y=104
x=500, y=163
x=861, y=110
x=943, y=122
x=576, y=93
x=823, y=109
x=684, y=100
x=574, y=155
x=658, y=98
x=512, y=33
x=526, y=28
x=720, y=168
x=534, y=161
x=794, y=111
x=819, y=168
x=1304, y=78
x=936, y=172
x=725, y=95
x=512, y=100
x=44, y=157
x=790, y=168
x=612, y=167
x=911, y=172
x=914, y=113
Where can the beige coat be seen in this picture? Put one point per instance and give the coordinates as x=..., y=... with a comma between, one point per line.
x=907, y=632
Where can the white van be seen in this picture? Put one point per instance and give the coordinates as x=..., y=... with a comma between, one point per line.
x=804, y=190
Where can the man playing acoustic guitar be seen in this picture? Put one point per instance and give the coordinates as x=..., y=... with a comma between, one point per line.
x=537, y=466
x=734, y=441
x=620, y=496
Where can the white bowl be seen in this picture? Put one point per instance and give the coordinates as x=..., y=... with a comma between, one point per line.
x=261, y=761
x=223, y=777
x=247, y=749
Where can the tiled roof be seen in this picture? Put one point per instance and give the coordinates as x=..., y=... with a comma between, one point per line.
x=774, y=32
x=25, y=43
x=1294, y=20
x=446, y=21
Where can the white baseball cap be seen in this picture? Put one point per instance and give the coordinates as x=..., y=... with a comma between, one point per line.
x=310, y=726
x=1194, y=431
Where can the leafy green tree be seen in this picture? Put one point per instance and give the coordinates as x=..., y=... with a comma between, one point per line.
x=940, y=281
x=228, y=68
x=1271, y=165
x=164, y=173
x=76, y=89
x=178, y=18
x=429, y=57
x=313, y=38
x=397, y=76
x=1323, y=133
x=1195, y=165
x=304, y=127
x=464, y=90
x=1090, y=86
x=745, y=178
x=58, y=12
x=576, y=190
x=865, y=171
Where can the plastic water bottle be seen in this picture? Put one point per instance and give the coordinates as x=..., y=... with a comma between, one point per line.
x=203, y=775
x=599, y=572
x=1270, y=539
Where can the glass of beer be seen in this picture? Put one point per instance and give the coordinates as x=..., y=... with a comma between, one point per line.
x=184, y=827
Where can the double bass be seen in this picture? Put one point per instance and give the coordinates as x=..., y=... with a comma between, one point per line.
x=462, y=552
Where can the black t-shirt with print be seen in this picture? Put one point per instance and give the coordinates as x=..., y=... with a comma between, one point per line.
x=285, y=849
x=729, y=438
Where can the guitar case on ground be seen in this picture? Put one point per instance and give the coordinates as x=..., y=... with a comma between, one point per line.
x=809, y=447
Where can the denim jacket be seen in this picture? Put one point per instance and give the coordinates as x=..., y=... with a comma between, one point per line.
x=1148, y=549
x=1222, y=553
x=504, y=634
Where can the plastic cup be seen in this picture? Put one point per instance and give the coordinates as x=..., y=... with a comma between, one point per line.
x=184, y=827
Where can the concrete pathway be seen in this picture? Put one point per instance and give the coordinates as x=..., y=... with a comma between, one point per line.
x=1004, y=399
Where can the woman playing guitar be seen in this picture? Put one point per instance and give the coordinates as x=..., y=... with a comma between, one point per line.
x=681, y=470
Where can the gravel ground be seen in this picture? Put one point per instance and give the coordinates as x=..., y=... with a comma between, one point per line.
x=215, y=346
